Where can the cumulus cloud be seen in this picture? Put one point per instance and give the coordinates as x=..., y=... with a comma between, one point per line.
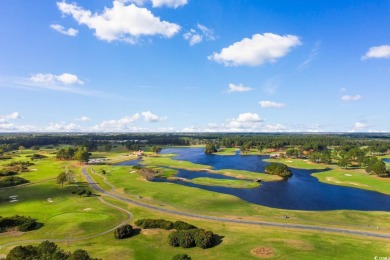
x=150, y=117
x=5, y=118
x=169, y=3
x=244, y=121
x=61, y=29
x=259, y=49
x=63, y=127
x=64, y=78
x=238, y=88
x=195, y=36
x=121, y=124
x=266, y=104
x=377, y=52
x=83, y=119
x=348, y=98
x=121, y=22
x=360, y=125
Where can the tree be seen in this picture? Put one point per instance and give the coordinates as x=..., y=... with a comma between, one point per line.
x=278, y=169
x=22, y=252
x=46, y=250
x=124, y=231
x=181, y=257
x=61, y=178
x=21, y=148
x=156, y=149
x=107, y=147
x=80, y=254
x=210, y=148
x=82, y=154
x=379, y=168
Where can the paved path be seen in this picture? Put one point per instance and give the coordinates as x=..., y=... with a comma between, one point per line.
x=219, y=219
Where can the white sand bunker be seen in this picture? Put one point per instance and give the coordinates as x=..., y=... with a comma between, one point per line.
x=13, y=198
x=87, y=209
x=348, y=174
x=288, y=161
x=49, y=200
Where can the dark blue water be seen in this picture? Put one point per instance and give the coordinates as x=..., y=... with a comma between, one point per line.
x=129, y=163
x=300, y=192
x=386, y=160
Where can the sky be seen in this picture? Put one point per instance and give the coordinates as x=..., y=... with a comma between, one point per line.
x=194, y=66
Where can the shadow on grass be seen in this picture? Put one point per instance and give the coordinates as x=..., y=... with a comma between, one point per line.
x=217, y=240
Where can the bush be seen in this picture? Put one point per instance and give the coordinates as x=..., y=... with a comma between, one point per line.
x=180, y=225
x=190, y=238
x=21, y=222
x=81, y=192
x=278, y=169
x=88, y=193
x=123, y=232
x=10, y=181
x=154, y=223
x=181, y=257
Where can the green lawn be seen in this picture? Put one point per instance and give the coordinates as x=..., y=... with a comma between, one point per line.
x=225, y=182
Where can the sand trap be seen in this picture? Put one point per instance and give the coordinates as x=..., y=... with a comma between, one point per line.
x=305, y=160
x=348, y=174
x=288, y=161
x=132, y=172
x=13, y=200
x=13, y=196
x=49, y=200
x=87, y=209
x=263, y=252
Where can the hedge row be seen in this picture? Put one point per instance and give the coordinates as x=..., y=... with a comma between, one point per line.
x=163, y=224
x=22, y=223
x=191, y=238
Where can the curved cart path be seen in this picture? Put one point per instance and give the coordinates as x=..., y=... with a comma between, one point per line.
x=251, y=222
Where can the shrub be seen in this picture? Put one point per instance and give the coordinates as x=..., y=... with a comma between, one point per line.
x=123, y=232
x=88, y=193
x=10, y=181
x=154, y=223
x=181, y=257
x=278, y=169
x=190, y=238
x=81, y=192
x=23, y=223
x=180, y=225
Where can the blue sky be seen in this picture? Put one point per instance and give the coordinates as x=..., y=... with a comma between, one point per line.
x=194, y=65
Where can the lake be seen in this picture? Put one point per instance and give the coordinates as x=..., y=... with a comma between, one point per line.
x=300, y=192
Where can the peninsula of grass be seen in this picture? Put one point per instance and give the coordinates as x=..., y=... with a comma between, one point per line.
x=164, y=161
x=242, y=184
x=299, y=163
x=356, y=178
x=247, y=175
x=227, y=151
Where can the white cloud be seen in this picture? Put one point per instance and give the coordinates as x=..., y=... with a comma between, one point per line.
x=65, y=78
x=261, y=48
x=121, y=124
x=83, y=119
x=348, y=98
x=377, y=52
x=195, y=37
x=149, y=117
x=121, y=22
x=244, y=121
x=266, y=104
x=63, y=127
x=360, y=125
x=5, y=118
x=61, y=29
x=238, y=88
x=169, y=3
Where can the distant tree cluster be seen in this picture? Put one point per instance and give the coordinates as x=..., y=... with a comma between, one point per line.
x=156, y=149
x=376, y=166
x=46, y=250
x=21, y=223
x=278, y=169
x=79, y=153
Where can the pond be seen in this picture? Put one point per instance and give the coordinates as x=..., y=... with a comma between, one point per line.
x=300, y=192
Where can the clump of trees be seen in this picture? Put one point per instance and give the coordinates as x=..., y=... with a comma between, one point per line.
x=191, y=238
x=20, y=223
x=163, y=224
x=376, y=166
x=278, y=169
x=211, y=148
x=46, y=250
x=79, y=153
x=156, y=149
x=37, y=156
x=124, y=231
x=10, y=181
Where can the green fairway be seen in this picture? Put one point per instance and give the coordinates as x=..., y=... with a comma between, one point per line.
x=226, y=183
